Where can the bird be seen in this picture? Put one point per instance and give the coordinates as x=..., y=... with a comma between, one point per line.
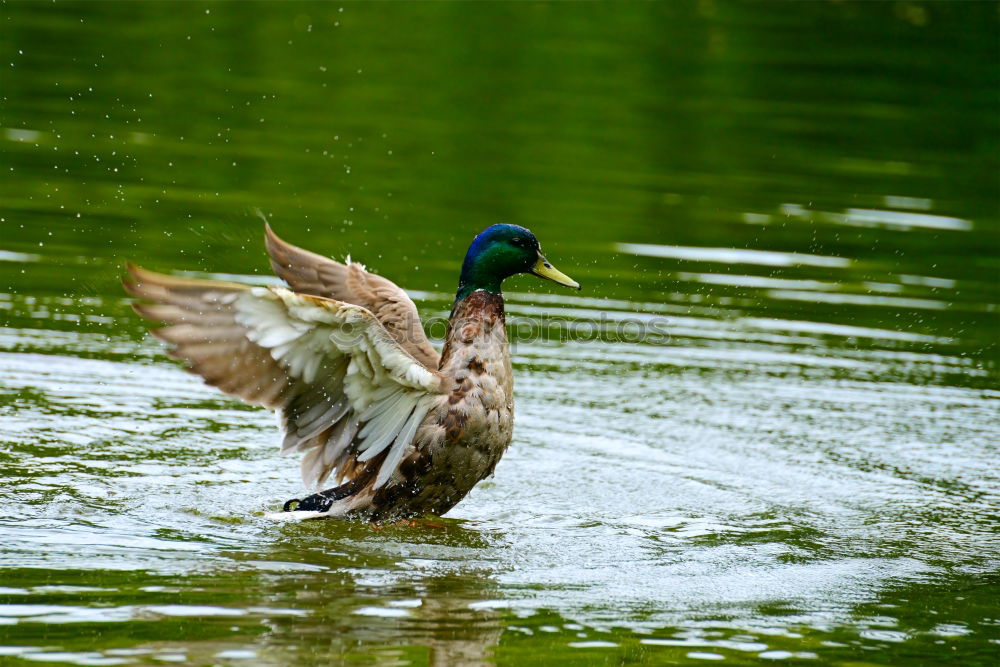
x=341, y=355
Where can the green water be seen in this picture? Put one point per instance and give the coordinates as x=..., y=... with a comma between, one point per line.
x=802, y=470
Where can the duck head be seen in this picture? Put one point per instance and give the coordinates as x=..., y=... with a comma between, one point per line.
x=500, y=252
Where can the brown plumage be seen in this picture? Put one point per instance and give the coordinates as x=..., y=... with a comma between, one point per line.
x=309, y=273
x=343, y=359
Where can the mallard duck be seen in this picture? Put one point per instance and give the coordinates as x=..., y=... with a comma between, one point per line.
x=342, y=357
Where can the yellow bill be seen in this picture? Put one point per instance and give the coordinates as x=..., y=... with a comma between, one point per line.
x=543, y=269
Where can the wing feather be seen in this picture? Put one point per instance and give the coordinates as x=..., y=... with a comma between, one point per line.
x=347, y=392
x=383, y=428
x=309, y=273
x=402, y=442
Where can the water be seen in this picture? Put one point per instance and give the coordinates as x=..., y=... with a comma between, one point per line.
x=771, y=435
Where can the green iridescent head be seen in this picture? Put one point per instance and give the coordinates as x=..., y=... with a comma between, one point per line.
x=500, y=252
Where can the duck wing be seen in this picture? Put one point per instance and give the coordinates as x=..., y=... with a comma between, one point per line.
x=309, y=273
x=348, y=394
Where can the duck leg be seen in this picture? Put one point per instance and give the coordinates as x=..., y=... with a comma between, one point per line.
x=322, y=501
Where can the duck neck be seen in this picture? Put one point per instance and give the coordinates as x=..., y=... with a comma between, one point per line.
x=476, y=277
x=477, y=316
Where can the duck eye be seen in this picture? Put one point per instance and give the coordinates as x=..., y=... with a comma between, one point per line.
x=518, y=241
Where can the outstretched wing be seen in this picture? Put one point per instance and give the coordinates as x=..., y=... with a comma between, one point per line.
x=309, y=273
x=349, y=395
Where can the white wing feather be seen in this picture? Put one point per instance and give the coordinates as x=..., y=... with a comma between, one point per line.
x=384, y=388
x=344, y=387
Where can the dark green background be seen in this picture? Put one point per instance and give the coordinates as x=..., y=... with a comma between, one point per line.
x=806, y=466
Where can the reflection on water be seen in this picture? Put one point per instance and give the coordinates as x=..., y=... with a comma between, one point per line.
x=764, y=430
x=733, y=255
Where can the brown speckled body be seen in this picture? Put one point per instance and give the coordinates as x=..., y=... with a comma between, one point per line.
x=469, y=427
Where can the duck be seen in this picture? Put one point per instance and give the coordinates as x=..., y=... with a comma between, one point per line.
x=341, y=356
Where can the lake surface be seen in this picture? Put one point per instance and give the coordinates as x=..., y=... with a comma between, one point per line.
x=766, y=430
